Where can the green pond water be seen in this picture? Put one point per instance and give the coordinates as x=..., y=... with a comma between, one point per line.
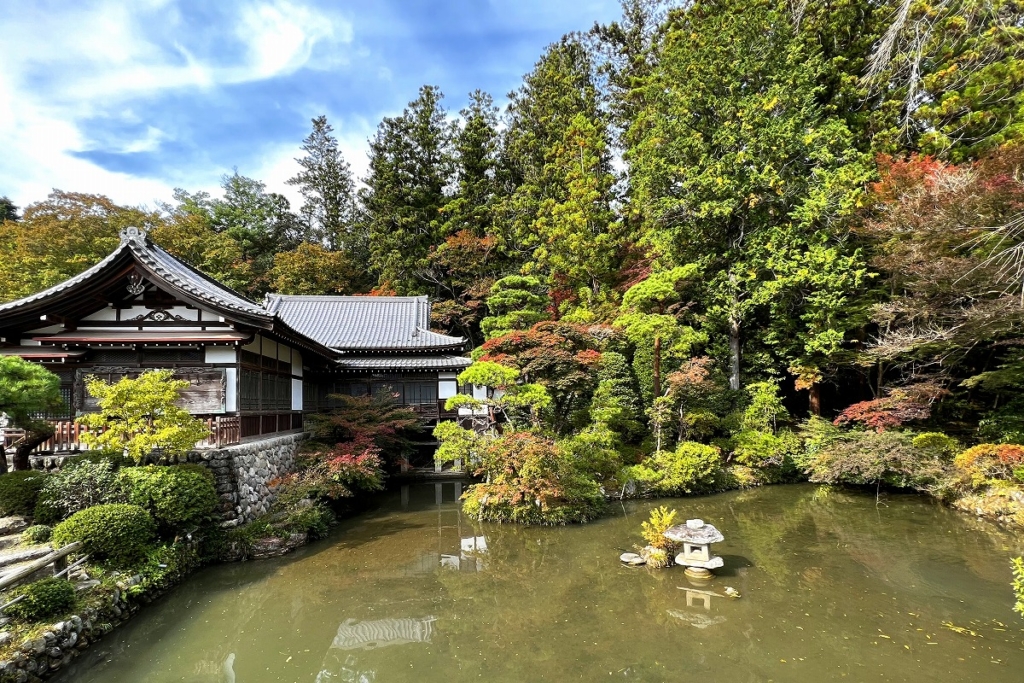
x=834, y=587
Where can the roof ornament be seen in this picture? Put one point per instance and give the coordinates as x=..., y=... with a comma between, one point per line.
x=133, y=234
x=136, y=284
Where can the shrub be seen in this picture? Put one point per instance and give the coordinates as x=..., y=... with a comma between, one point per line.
x=765, y=449
x=691, y=468
x=990, y=462
x=38, y=533
x=594, y=450
x=532, y=482
x=19, y=492
x=117, y=460
x=336, y=472
x=76, y=487
x=886, y=457
x=653, y=530
x=43, y=599
x=165, y=565
x=117, y=534
x=181, y=498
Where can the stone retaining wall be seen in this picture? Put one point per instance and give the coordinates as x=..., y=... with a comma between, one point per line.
x=242, y=473
x=39, y=658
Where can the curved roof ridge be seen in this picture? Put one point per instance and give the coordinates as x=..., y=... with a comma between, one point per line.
x=66, y=284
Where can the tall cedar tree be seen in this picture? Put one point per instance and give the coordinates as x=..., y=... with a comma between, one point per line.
x=463, y=267
x=328, y=193
x=737, y=166
x=410, y=167
x=539, y=117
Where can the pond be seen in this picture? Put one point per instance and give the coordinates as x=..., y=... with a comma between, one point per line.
x=834, y=585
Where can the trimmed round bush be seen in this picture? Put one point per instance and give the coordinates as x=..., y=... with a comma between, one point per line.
x=181, y=498
x=43, y=599
x=19, y=491
x=118, y=534
x=39, y=533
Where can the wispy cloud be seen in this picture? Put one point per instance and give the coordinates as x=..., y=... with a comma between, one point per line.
x=131, y=99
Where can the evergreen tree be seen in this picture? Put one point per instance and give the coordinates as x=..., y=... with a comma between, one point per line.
x=329, y=198
x=410, y=168
x=737, y=167
x=8, y=211
x=558, y=220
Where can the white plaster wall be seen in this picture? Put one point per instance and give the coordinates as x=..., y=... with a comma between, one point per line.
x=231, y=389
x=220, y=354
x=270, y=348
x=447, y=388
x=296, y=394
x=254, y=345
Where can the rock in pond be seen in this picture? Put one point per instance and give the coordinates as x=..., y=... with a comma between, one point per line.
x=632, y=559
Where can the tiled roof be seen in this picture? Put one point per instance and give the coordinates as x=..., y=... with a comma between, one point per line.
x=363, y=323
x=424, y=362
x=176, y=273
x=196, y=282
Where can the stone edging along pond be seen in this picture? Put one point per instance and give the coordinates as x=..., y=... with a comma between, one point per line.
x=51, y=649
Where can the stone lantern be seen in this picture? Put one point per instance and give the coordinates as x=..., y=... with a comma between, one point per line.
x=695, y=539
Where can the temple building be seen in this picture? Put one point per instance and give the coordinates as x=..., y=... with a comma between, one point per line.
x=255, y=369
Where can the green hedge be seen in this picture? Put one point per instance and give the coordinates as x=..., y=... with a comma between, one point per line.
x=19, y=491
x=43, y=599
x=181, y=498
x=117, y=534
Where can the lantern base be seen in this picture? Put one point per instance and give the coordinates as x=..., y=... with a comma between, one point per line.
x=698, y=573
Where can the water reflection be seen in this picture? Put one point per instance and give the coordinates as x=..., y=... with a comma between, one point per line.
x=833, y=588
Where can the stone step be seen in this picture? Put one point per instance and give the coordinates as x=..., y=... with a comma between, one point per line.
x=23, y=555
x=13, y=525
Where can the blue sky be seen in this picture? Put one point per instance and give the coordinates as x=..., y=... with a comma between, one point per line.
x=133, y=98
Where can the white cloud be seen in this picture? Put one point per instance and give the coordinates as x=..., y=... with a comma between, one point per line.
x=60, y=68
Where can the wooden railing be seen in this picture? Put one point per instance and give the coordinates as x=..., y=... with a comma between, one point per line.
x=225, y=430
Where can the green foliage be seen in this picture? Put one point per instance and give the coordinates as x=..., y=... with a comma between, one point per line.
x=594, y=450
x=181, y=498
x=43, y=599
x=691, y=468
x=78, y=485
x=410, y=166
x=653, y=530
x=755, y=448
x=164, y=566
x=515, y=302
x=875, y=458
x=37, y=533
x=510, y=400
x=117, y=534
x=329, y=197
x=19, y=492
x=765, y=412
x=616, y=404
x=27, y=388
x=140, y=414
x=530, y=481
x=738, y=166
x=457, y=443
x=1004, y=424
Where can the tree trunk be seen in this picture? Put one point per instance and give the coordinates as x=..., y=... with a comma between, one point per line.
x=33, y=437
x=657, y=367
x=815, y=400
x=734, y=352
x=3, y=457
